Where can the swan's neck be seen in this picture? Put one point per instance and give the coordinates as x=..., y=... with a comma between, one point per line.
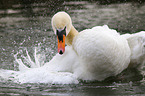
x=69, y=38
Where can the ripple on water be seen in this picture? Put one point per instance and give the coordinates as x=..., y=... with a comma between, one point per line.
x=22, y=28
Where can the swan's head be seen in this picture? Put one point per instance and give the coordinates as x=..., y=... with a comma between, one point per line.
x=61, y=24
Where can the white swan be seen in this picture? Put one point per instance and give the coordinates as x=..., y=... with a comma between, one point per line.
x=93, y=54
x=101, y=52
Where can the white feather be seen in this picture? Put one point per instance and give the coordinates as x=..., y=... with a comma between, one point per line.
x=136, y=42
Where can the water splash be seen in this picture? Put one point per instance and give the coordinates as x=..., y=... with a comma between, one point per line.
x=34, y=69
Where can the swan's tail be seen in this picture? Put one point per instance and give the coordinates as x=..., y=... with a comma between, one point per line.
x=137, y=45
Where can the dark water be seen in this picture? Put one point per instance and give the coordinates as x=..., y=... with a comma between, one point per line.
x=27, y=25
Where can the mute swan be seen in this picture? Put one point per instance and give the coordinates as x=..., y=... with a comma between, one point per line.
x=101, y=52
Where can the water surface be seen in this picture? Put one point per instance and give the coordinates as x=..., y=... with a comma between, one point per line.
x=28, y=25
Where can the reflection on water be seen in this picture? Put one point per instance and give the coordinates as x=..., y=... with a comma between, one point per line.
x=27, y=25
x=91, y=89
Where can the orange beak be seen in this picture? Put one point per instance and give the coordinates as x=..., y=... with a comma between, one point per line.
x=61, y=45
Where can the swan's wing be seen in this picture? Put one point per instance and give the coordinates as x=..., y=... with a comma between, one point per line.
x=102, y=51
x=137, y=45
x=105, y=29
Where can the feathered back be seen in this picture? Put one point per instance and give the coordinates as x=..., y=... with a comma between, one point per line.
x=137, y=45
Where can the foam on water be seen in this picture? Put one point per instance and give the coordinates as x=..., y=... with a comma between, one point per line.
x=37, y=72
